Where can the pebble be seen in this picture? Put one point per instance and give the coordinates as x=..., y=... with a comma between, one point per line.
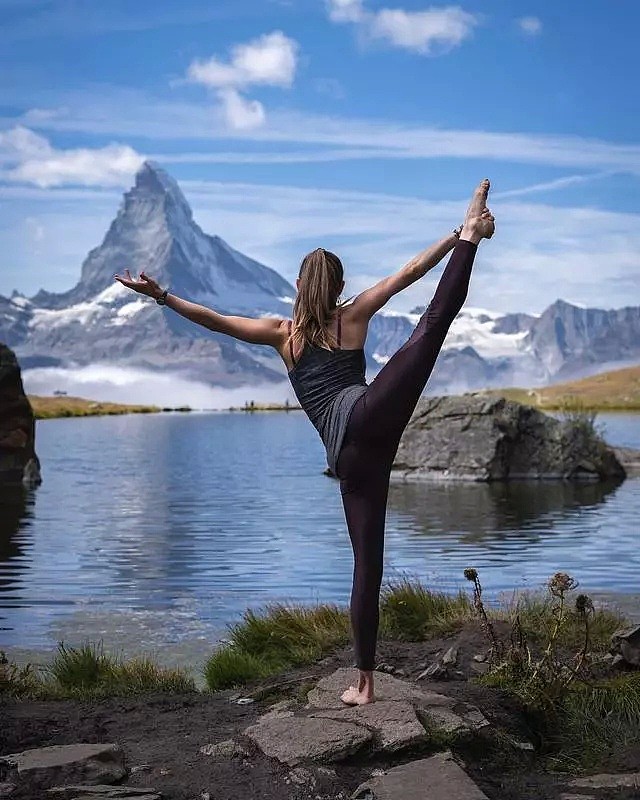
x=244, y=701
x=480, y=657
x=451, y=656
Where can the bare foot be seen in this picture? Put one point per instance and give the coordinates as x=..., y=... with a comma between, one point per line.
x=477, y=228
x=353, y=697
x=479, y=200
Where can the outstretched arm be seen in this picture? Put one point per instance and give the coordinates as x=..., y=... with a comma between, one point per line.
x=373, y=299
x=263, y=330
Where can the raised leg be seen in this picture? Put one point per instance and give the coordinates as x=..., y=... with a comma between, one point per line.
x=387, y=405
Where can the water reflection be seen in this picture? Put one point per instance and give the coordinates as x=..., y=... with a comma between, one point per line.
x=16, y=512
x=485, y=511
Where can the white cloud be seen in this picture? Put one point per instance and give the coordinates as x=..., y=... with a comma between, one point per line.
x=113, y=384
x=437, y=30
x=532, y=26
x=32, y=159
x=269, y=60
x=241, y=113
x=429, y=32
x=100, y=112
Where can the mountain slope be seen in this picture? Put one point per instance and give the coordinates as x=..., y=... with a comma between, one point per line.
x=99, y=321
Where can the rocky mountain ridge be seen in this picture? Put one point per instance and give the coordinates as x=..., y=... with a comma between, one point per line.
x=98, y=321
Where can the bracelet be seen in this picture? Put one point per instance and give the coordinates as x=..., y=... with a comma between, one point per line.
x=457, y=231
x=162, y=300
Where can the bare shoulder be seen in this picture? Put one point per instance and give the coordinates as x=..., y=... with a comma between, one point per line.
x=354, y=326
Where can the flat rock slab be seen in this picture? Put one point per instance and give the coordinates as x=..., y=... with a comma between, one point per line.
x=101, y=792
x=295, y=740
x=619, y=780
x=327, y=691
x=395, y=723
x=72, y=763
x=438, y=707
x=435, y=778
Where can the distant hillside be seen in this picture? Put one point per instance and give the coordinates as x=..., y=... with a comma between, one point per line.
x=616, y=389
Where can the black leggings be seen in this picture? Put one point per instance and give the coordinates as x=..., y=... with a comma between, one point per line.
x=373, y=434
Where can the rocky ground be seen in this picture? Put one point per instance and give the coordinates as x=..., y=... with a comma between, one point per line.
x=430, y=737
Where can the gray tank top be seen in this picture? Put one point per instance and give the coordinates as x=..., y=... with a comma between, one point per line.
x=327, y=384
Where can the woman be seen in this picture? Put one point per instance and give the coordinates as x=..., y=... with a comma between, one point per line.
x=360, y=425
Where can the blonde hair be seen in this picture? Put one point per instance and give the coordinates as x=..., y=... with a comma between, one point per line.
x=321, y=275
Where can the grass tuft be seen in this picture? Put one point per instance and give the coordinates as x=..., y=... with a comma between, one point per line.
x=16, y=681
x=411, y=612
x=280, y=638
x=229, y=667
x=87, y=671
x=596, y=721
x=536, y=618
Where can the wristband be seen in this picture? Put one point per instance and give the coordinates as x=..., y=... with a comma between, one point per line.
x=162, y=300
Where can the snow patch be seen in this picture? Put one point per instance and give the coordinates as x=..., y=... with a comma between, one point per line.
x=468, y=330
x=111, y=293
x=20, y=301
x=131, y=309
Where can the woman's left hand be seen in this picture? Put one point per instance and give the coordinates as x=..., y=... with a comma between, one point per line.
x=143, y=285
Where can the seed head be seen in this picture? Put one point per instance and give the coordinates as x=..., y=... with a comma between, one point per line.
x=583, y=604
x=561, y=583
x=471, y=574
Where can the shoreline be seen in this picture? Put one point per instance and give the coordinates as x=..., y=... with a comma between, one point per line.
x=65, y=406
x=269, y=718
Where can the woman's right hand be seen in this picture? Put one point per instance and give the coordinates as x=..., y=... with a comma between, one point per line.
x=143, y=285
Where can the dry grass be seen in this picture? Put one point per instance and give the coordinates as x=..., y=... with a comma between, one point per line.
x=63, y=406
x=617, y=390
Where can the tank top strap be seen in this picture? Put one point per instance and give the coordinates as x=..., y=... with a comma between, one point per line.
x=339, y=326
x=293, y=361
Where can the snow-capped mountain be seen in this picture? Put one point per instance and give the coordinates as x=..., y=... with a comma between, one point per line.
x=101, y=322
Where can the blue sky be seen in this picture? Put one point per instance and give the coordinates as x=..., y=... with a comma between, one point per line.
x=356, y=125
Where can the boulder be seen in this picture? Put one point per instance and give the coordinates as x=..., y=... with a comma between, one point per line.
x=19, y=464
x=626, y=643
x=471, y=437
x=44, y=767
x=436, y=778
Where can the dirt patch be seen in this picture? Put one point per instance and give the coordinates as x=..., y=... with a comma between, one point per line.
x=164, y=734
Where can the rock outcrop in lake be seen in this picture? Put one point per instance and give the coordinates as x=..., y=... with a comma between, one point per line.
x=19, y=463
x=470, y=437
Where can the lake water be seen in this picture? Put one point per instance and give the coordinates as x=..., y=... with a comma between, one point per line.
x=159, y=531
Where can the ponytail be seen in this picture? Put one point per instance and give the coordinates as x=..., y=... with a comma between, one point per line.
x=321, y=275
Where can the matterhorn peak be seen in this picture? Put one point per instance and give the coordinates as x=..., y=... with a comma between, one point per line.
x=156, y=190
